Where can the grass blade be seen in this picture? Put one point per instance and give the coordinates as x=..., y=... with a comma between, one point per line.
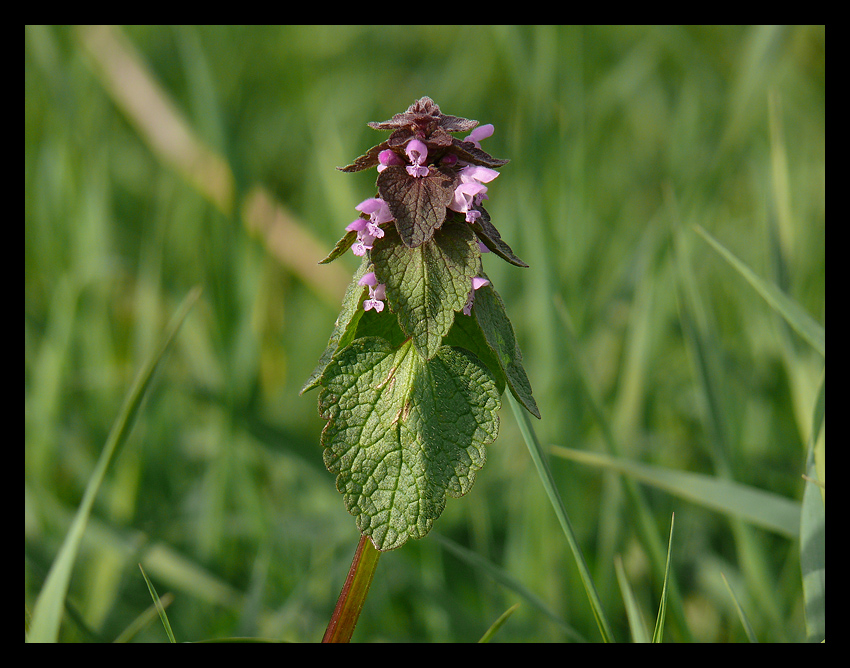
x=548, y=481
x=662, y=608
x=745, y=622
x=488, y=635
x=765, y=509
x=813, y=532
x=143, y=620
x=159, y=607
x=47, y=612
x=636, y=624
x=794, y=315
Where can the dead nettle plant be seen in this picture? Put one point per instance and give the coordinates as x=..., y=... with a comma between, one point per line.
x=422, y=350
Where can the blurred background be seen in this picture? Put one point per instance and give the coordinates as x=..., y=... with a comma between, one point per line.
x=161, y=158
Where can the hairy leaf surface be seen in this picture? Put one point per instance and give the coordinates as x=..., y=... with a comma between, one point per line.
x=427, y=284
x=404, y=432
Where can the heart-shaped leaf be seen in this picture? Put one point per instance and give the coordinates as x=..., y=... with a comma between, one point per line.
x=427, y=284
x=418, y=204
x=404, y=432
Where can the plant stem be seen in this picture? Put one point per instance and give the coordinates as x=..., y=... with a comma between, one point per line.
x=353, y=593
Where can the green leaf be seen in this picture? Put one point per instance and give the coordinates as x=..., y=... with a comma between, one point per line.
x=465, y=333
x=341, y=247
x=403, y=432
x=383, y=325
x=489, y=312
x=427, y=284
x=354, y=323
x=344, y=327
x=418, y=204
x=345, y=243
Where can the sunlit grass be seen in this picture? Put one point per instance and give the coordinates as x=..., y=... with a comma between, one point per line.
x=651, y=348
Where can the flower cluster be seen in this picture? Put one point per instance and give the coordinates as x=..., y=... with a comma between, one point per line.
x=421, y=382
x=467, y=196
x=413, y=166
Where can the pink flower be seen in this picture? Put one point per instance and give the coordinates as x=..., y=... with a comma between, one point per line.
x=365, y=240
x=387, y=158
x=377, y=209
x=377, y=292
x=466, y=196
x=479, y=133
x=368, y=230
x=417, y=152
x=477, y=173
x=472, y=190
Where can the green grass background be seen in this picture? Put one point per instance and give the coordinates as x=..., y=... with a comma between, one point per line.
x=620, y=140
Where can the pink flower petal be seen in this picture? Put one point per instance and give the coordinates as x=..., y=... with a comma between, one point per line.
x=358, y=225
x=478, y=173
x=368, y=279
x=416, y=151
x=479, y=133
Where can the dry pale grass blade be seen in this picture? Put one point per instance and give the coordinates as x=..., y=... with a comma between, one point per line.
x=50, y=605
x=293, y=246
x=159, y=122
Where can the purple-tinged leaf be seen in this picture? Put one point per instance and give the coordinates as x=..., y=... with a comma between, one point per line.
x=418, y=204
x=469, y=152
x=489, y=236
x=367, y=160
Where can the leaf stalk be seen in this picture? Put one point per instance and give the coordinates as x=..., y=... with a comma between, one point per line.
x=353, y=593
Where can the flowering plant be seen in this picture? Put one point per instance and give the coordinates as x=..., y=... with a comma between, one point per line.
x=411, y=392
